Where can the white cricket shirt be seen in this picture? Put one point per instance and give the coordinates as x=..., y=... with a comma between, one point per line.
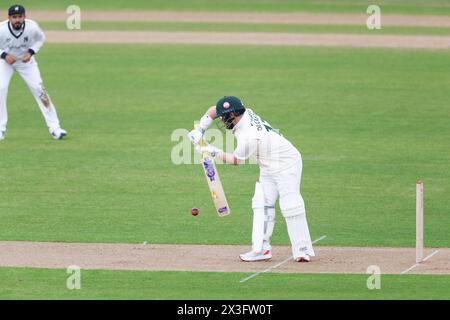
x=17, y=42
x=256, y=138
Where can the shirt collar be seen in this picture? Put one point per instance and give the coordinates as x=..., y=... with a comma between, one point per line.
x=14, y=32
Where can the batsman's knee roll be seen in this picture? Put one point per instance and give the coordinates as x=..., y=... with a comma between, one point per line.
x=292, y=204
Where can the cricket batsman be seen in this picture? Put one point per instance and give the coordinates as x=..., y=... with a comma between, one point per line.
x=20, y=40
x=280, y=174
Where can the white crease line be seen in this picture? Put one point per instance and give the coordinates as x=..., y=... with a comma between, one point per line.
x=425, y=259
x=430, y=255
x=277, y=265
x=409, y=269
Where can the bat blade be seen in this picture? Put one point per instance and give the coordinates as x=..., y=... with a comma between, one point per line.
x=215, y=186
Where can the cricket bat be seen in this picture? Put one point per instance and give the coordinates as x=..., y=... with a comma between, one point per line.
x=214, y=183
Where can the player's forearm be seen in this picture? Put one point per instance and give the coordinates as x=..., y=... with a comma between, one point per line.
x=212, y=112
x=196, y=135
x=40, y=39
x=228, y=158
x=3, y=52
x=207, y=118
x=36, y=47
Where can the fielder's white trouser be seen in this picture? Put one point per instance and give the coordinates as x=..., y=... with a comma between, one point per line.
x=32, y=77
x=284, y=185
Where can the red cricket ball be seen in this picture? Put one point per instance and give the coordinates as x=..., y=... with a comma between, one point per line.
x=194, y=211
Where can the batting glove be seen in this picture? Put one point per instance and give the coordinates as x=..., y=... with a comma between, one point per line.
x=196, y=136
x=210, y=150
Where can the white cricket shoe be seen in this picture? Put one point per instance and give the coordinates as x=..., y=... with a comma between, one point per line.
x=256, y=256
x=267, y=246
x=303, y=258
x=2, y=135
x=58, y=133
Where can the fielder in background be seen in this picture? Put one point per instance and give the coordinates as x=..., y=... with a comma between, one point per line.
x=280, y=174
x=20, y=40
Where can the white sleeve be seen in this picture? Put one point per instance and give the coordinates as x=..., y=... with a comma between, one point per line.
x=205, y=122
x=39, y=39
x=246, y=148
x=2, y=44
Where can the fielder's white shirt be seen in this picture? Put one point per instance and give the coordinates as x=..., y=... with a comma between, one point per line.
x=17, y=42
x=256, y=138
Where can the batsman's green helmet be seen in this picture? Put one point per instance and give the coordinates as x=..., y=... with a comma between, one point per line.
x=229, y=104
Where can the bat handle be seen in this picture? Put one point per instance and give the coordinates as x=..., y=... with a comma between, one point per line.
x=202, y=141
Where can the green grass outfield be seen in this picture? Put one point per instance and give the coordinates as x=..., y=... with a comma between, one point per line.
x=369, y=123
x=98, y=284
x=435, y=7
x=240, y=27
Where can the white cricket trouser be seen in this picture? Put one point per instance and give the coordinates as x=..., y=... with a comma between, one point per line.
x=32, y=77
x=285, y=185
